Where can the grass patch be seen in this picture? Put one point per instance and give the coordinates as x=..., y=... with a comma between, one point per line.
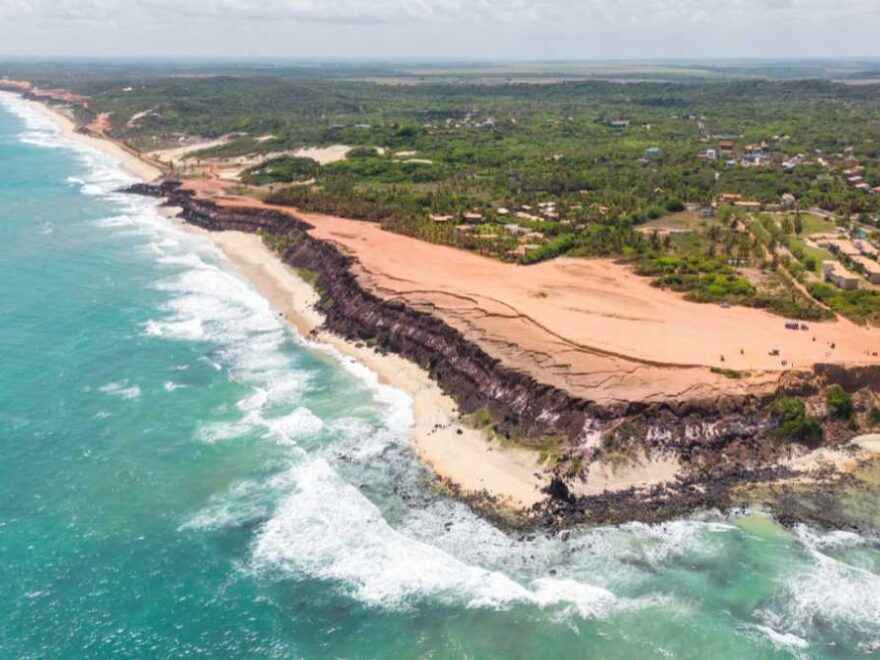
x=308, y=275
x=798, y=246
x=813, y=224
x=733, y=374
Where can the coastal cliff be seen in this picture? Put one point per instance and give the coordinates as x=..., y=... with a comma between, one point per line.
x=718, y=444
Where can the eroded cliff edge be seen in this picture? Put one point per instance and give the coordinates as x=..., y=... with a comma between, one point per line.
x=716, y=445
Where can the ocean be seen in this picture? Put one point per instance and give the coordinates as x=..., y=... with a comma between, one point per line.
x=184, y=476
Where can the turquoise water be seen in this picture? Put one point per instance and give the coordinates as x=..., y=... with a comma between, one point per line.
x=181, y=475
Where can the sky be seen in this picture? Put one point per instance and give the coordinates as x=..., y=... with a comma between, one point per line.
x=441, y=29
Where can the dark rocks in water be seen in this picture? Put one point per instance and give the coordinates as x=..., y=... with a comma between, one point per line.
x=558, y=490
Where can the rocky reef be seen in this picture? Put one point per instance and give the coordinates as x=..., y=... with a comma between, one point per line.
x=719, y=444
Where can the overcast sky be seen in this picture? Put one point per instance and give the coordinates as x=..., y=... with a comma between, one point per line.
x=459, y=29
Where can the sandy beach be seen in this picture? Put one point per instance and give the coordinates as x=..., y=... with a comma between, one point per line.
x=452, y=450
x=130, y=163
x=590, y=327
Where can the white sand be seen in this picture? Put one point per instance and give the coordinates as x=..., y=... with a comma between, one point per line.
x=177, y=155
x=453, y=451
x=127, y=160
x=324, y=155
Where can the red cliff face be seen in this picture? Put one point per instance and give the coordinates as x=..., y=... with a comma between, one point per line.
x=720, y=443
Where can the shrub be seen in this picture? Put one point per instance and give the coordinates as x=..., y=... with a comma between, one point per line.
x=874, y=416
x=793, y=425
x=675, y=206
x=281, y=170
x=839, y=402
x=362, y=152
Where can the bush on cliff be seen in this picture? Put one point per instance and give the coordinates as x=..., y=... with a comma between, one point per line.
x=792, y=423
x=839, y=402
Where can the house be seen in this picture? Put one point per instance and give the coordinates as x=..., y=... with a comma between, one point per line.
x=748, y=205
x=728, y=198
x=619, y=123
x=516, y=229
x=522, y=215
x=788, y=201
x=839, y=276
x=653, y=153
x=871, y=268
x=503, y=211
x=707, y=212
x=726, y=146
x=440, y=218
x=866, y=249
x=864, y=187
x=473, y=217
x=841, y=246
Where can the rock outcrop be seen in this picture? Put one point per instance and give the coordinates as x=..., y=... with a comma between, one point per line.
x=719, y=443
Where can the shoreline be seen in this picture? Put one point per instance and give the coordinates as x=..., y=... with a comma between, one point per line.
x=130, y=164
x=494, y=475
x=442, y=443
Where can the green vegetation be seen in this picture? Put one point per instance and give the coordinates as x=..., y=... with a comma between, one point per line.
x=525, y=172
x=733, y=374
x=278, y=243
x=698, y=265
x=285, y=169
x=874, y=416
x=861, y=305
x=793, y=425
x=308, y=276
x=839, y=402
x=704, y=279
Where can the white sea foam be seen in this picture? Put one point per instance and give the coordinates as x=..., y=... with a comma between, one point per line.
x=827, y=592
x=782, y=641
x=121, y=389
x=325, y=528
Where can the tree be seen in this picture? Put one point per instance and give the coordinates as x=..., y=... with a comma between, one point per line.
x=787, y=225
x=798, y=224
x=839, y=402
x=743, y=252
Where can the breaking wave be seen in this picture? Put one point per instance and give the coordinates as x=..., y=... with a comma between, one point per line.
x=349, y=506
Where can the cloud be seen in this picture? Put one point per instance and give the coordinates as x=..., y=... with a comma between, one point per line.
x=502, y=12
x=461, y=28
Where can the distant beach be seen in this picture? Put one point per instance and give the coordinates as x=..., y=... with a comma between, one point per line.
x=455, y=452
